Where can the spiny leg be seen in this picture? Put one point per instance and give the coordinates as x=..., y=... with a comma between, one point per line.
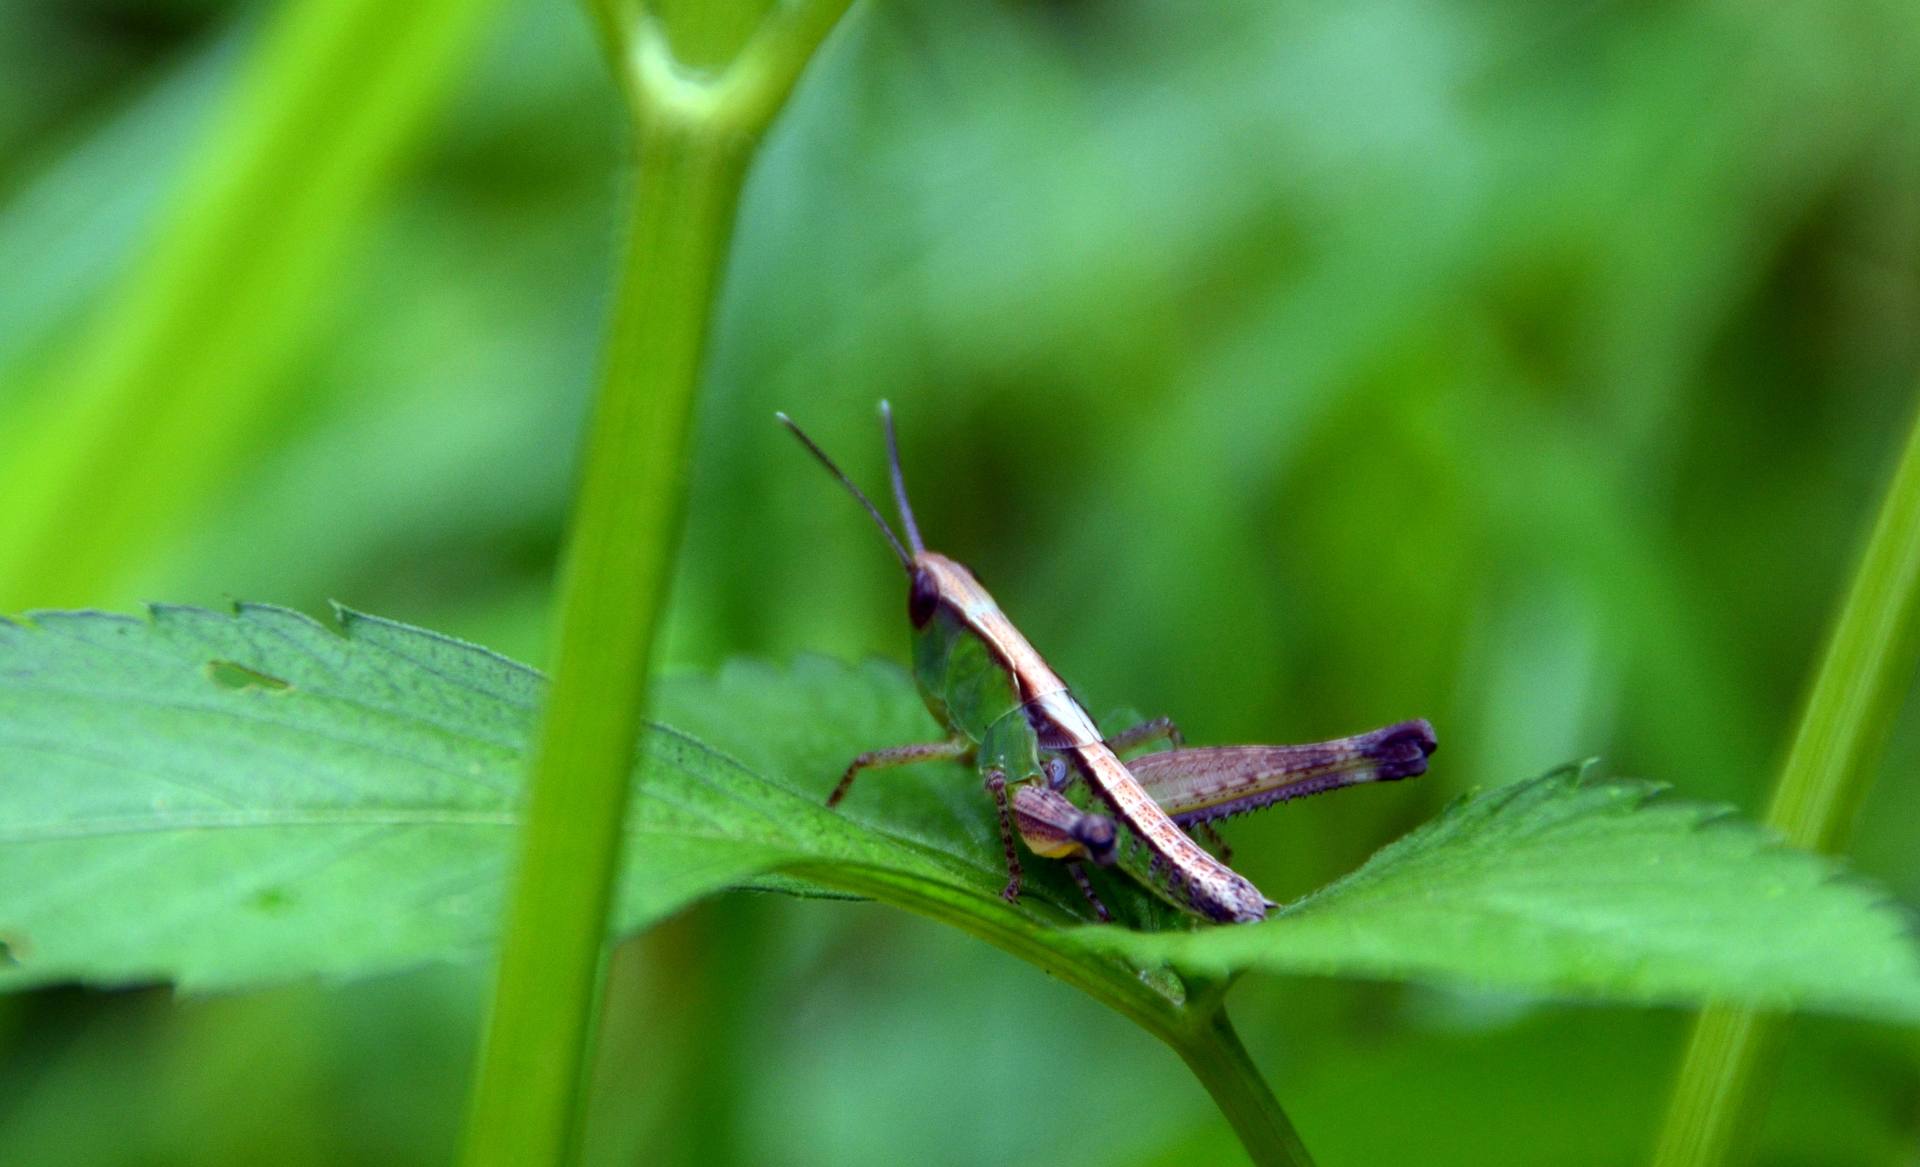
x=996, y=784
x=898, y=756
x=1086, y=888
x=1146, y=731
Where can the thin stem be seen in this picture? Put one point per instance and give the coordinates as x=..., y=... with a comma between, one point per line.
x=625, y=527
x=694, y=146
x=1214, y=1053
x=1722, y=1087
x=1868, y=667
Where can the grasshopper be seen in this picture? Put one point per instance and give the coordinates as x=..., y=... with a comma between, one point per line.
x=1009, y=714
x=1196, y=787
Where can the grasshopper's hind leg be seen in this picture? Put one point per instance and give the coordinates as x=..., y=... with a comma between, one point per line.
x=1079, y=874
x=898, y=756
x=1146, y=731
x=996, y=784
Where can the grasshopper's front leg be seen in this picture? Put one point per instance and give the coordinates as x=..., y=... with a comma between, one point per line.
x=1079, y=874
x=955, y=748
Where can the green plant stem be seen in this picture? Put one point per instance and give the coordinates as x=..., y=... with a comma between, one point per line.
x=626, y=522
x=1868, y=667
x=178, y=370
x=1213, y=1052
x=695, y=138
x=1196, y=1028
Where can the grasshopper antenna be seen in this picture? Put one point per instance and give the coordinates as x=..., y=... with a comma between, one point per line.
x=893, y=540
x=900, y=483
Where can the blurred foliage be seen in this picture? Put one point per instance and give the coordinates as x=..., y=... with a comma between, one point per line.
x=1288, y=371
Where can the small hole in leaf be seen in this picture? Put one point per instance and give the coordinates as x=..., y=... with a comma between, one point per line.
x=229, y=675
x=13, y=949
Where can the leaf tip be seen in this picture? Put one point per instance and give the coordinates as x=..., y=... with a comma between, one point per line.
x=344, y=618
x=160, y=613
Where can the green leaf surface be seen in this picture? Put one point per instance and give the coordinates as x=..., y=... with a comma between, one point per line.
x=225, y=799
x=1591, y=887
x=221, y=799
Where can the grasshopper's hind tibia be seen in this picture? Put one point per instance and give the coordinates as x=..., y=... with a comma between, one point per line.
x=897, y=756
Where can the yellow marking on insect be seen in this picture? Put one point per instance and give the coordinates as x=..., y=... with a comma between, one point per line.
x=1047, y=822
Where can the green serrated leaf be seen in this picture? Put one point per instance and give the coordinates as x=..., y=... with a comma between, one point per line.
x=224, y=799
x=1574, y=886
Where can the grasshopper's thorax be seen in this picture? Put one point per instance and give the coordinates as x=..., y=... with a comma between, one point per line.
x=982, y=678
x=959, y=677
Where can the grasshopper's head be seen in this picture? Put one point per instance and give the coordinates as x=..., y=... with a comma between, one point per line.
x=942, y=598
x=924, y=582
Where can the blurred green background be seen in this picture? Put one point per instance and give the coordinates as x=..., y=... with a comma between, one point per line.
x=1286, y=370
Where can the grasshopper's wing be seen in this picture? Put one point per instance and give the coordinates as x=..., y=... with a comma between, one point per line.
x=1200, y=785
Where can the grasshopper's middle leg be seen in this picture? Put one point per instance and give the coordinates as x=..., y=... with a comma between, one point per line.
x=1146, y=731
x=996, y=784
x=1079, y=874
x=898, y=756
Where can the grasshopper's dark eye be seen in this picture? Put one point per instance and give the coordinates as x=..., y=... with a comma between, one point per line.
x=924, y=598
